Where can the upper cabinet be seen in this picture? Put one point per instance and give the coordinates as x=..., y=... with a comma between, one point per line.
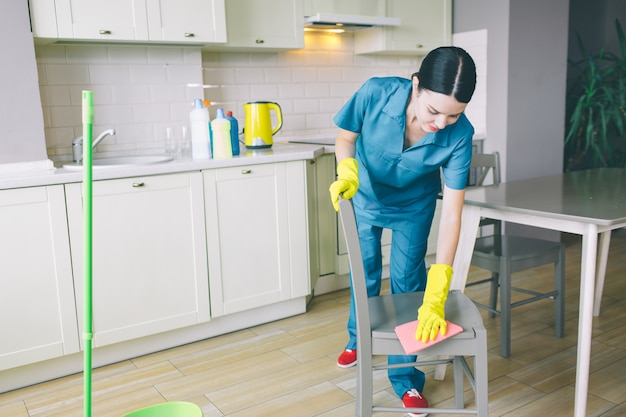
x=186, y=21
x=424, y=25
x=170, y=21
x=253, y=25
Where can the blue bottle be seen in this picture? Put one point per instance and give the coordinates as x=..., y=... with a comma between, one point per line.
x=234, y=132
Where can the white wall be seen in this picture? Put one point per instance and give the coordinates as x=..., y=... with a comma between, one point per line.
x=527, y=66
x=21, y=121
x=136, y=90
x=140, y=91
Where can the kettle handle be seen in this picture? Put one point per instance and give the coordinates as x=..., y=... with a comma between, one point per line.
x=279, y=116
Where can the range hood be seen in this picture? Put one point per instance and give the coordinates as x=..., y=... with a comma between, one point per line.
x=347, y=22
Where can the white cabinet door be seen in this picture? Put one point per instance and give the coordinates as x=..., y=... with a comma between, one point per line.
x=326, y=214
x=256, y=226
x=37, y=308
x=113, y=20
x=263, y=25
x=424, y=25
x=149, y=255
x=187, y=21
x=178, y=21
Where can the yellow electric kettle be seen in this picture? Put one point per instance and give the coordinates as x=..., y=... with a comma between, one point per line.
x=257, y=128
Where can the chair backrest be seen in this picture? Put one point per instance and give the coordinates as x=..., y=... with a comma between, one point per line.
x=486, y=162
x=357, y=272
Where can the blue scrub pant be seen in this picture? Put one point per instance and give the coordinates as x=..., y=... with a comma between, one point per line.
x=407, y=274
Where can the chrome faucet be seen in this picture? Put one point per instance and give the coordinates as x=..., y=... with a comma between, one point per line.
x=77, y=145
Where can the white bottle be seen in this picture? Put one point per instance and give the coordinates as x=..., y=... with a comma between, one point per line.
x=199, y=118
x=220, y=131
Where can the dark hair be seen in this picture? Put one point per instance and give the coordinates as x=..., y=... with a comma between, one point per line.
x=448, y=70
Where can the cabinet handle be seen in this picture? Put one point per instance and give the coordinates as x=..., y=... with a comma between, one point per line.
x=105, y=32
x=419, y=46
x=246, y=171
x=138, y=184
x=260, y=41
x=189, y=35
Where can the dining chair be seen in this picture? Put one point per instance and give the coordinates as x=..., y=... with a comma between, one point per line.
x=377, y=317
x=504, y=254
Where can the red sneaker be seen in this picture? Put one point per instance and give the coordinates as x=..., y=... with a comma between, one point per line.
x=413, y=399
x=347, y=359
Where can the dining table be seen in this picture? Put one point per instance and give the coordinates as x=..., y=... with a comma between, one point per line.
x=590, y=203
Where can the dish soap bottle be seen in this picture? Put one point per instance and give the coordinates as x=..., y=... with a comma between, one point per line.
x=234, y=132
x=199, y=118
x=220, y=135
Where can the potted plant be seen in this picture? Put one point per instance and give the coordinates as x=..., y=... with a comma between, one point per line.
x=596, y=110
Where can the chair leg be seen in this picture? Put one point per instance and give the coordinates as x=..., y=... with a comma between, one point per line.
x=364, y=385
x=505, y=307
x=459, y=399
x=493, y=294
x=364, y=390
x=481, y=391
x=559, y=301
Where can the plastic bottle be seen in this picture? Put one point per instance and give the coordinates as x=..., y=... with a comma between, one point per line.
x=199, y=118
x=220, y=130
x=234, y=132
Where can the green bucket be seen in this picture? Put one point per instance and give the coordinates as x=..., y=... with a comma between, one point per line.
x=173, y=409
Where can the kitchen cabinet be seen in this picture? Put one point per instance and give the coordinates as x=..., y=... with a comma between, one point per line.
x=270, y=25
x=37, y=314
x=329, y=238
x=424, y=25
x=257, y=239
x=170, y=21
x=149, y=255
x=325, y=215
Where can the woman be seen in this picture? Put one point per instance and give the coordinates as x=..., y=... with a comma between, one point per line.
x=396, y=136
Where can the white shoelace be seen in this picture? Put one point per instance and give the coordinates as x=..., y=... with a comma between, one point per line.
x=414, y=393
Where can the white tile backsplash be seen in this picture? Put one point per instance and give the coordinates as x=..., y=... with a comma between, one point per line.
x=141, y=90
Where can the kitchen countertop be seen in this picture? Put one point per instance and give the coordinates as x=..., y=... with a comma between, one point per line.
x=279, y=152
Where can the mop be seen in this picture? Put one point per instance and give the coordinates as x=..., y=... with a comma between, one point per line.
x=87, y=103
x=171, y=409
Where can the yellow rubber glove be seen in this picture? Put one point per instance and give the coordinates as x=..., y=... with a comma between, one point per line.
x=431, y=314
x=347, y=181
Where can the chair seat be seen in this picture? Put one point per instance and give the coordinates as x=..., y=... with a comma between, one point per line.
x=523, y=252
x=389, y=311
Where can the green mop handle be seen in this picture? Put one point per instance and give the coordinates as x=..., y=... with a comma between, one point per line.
x=87, y=244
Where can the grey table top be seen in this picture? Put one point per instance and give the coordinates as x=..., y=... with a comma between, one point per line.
x=596, y=196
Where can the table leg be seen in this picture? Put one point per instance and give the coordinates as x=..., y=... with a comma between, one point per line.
x=465, y=247
x=603, y=254
x=462, y=259
x=585, y=316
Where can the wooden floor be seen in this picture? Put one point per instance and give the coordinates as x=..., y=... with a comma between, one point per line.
x=287, y=368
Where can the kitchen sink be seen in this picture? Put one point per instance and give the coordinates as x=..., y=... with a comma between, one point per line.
x=121, y=161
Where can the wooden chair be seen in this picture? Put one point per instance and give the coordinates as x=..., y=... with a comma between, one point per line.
x=377, y=317
x=504, y=254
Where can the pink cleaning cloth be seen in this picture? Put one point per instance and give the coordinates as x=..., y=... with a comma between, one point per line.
x=406, y=335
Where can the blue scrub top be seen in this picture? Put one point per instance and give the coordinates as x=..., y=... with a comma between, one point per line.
x=399, y=186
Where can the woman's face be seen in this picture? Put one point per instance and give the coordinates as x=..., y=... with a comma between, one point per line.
x=435, y=111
